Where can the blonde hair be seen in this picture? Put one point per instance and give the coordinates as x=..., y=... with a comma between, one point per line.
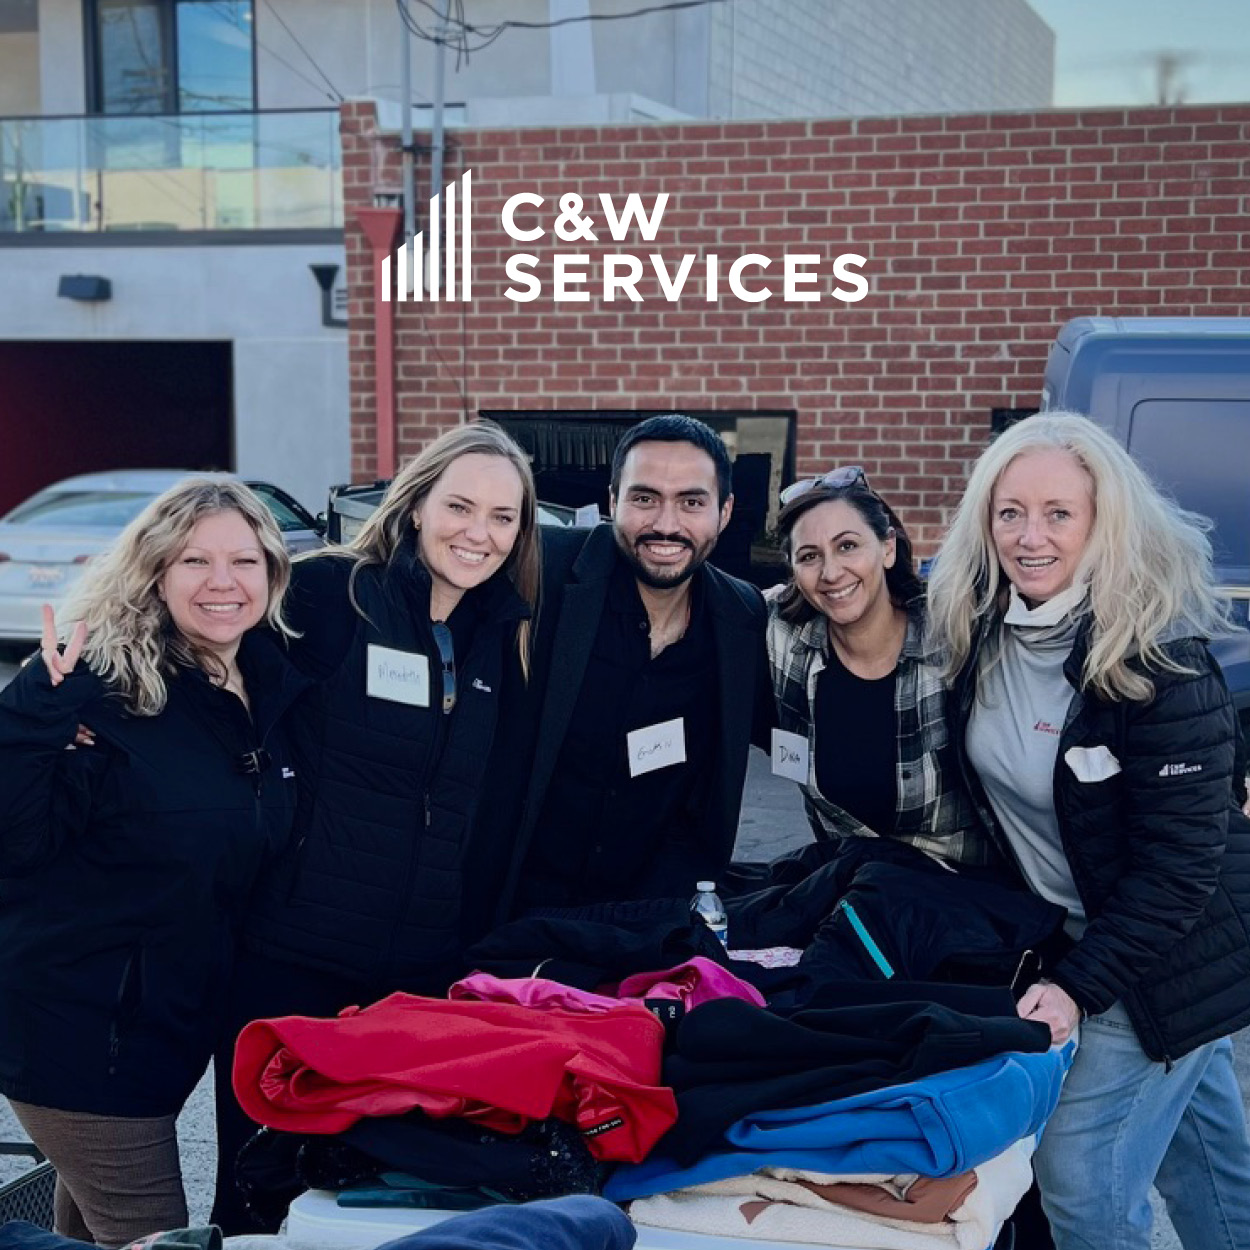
x=379, y=538
x=1147, y=562
x=131, y=640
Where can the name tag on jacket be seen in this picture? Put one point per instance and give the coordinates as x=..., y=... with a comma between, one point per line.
x=1092, y=763
x=656, y=746
x=790, y=757
x=400, y=676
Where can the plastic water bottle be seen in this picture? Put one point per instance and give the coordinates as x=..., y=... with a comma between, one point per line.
x=707, y=906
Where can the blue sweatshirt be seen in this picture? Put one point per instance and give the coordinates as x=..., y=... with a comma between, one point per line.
x=938, y=1126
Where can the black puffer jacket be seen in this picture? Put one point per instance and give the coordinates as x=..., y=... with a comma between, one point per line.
x=124, y=868
x=1159, y=851
x=372, y=888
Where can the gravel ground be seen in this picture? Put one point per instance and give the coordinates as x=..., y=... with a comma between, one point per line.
x=772, y=822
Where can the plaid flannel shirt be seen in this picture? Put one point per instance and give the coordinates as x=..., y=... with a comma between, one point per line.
x=934, y=811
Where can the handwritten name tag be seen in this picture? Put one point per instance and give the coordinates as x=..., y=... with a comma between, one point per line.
x=656, y=746
x=400, y=676
x=790, y=757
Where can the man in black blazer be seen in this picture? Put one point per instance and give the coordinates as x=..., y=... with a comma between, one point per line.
x=649, y=682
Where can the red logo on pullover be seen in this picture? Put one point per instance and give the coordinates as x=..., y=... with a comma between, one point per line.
x=1045, y=727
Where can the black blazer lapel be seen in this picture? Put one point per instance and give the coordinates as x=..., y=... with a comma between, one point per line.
x=581, y=606
x=737, y=651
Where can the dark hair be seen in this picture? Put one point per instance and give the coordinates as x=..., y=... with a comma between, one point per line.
x=674, y=427
x=901, y=579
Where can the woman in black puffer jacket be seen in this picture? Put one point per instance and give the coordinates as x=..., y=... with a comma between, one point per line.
x=126, y=864
x=1073, y=601
x=415, y=635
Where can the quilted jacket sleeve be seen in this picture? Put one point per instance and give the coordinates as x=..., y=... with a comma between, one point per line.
x=1169, y=818
x=45, y=788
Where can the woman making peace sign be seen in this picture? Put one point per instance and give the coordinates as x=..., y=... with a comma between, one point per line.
x=124, y=864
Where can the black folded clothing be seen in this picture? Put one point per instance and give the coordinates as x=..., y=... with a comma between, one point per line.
x=546, y=1159
x=586, y=946
x=732, y=1058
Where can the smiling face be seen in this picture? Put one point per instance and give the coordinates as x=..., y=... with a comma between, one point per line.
x=217, y=587
x=839, y=564
x=467, y=525
x=1041, y=516
x=665, y=512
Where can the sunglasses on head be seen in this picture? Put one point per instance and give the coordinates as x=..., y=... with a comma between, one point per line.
x=847, y=475
x=447, y=654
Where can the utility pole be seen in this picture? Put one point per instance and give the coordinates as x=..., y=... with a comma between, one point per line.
x=440, y=90
x=405, y=130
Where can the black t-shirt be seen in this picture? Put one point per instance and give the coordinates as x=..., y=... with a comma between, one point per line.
x=602, y=834
x=857, y=744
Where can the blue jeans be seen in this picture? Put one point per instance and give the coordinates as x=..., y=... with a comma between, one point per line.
x=1124, y=1123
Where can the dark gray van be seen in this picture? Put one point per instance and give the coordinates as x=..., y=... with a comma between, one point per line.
x=1176, y=392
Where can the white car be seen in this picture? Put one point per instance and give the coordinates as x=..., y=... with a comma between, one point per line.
x=46, y=541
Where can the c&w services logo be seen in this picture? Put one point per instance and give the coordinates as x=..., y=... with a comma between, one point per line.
x=443, y=271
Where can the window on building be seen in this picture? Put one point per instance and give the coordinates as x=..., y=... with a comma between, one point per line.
x=173, y=56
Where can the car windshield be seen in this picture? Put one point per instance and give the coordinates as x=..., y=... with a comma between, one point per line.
x=86, y=509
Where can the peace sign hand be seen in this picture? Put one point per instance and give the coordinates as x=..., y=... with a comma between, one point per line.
x=60, y=664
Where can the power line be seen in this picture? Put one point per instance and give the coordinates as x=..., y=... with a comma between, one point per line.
x=227, y=10
x=566, y=21
x=490, y=33
x=311, y=59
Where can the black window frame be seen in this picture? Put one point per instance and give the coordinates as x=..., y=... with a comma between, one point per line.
x=169, y=27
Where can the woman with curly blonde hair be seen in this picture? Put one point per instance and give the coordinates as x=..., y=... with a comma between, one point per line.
x=1074, y=603
x=125, y=863
x=415, y=633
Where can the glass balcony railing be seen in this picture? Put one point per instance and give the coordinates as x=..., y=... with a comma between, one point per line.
x=203, y=171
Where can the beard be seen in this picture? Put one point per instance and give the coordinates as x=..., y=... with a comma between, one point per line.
x=667, y=576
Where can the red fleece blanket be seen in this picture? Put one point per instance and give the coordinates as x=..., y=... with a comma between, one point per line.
x=498, y=1064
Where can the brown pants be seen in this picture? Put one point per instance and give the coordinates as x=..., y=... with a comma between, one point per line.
x=117, y=1178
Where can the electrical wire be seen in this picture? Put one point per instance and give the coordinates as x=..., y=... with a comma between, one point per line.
x=461, y=29
x=227, y=10
x=566, y=21
x=442, y=360
x=338, y=95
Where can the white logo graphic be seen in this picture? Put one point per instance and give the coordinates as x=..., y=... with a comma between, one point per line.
x=479, y=684
x=1179, y=770
x=443, y=271
x=410, y=266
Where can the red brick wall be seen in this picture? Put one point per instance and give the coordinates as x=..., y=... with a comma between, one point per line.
x=983, y=234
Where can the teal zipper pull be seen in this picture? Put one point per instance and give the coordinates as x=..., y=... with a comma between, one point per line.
x=874, y=951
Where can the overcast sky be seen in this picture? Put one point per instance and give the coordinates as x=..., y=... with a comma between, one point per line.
x=1107, y=51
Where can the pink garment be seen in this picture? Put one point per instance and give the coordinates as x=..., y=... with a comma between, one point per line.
x=697, y=981
x=530, y=992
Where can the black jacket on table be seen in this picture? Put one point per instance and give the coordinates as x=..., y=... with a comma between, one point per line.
x=124, y=868
x=371, y=891
x=1159, y=852
x=577, y=571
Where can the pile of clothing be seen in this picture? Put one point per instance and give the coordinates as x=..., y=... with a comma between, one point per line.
x=862, y=1097
x=873, y=1124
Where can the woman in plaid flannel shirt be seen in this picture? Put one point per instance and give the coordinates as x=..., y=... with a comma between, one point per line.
x=845, y=641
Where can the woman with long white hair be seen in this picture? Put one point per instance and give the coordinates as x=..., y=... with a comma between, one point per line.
x=125, y=863
x=1074, y=603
